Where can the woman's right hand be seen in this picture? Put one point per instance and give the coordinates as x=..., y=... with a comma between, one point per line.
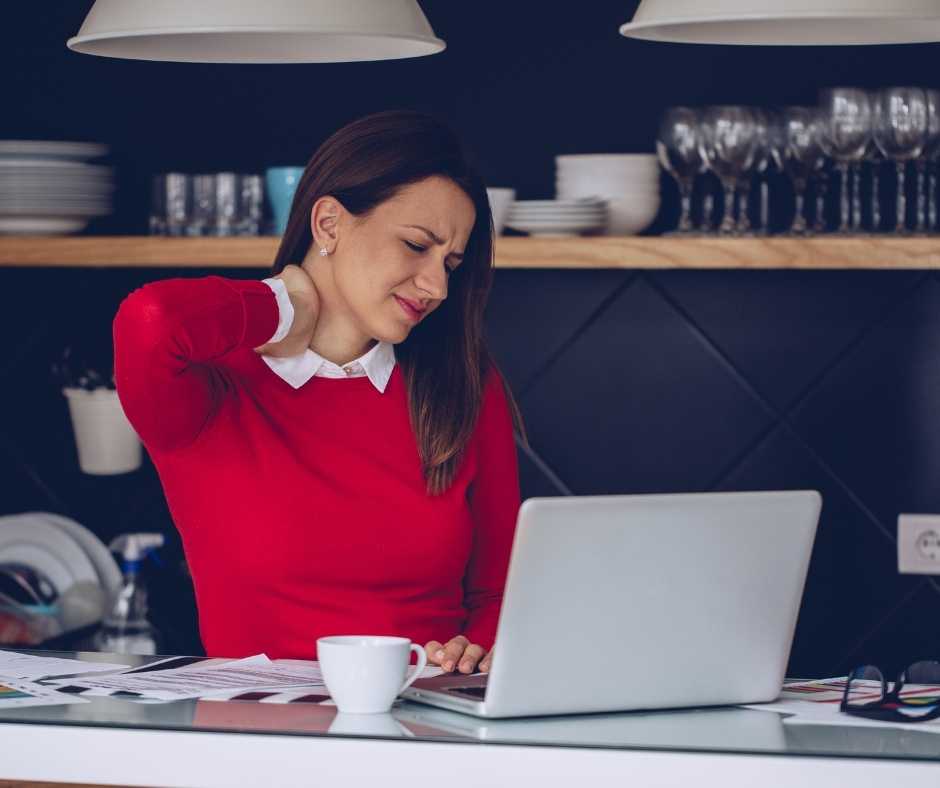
x=306, y=302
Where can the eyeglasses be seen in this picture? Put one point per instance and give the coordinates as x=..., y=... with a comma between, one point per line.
x=914, y=697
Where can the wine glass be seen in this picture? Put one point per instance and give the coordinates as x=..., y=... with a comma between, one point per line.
x=929, y=158
x=822, y=184
x=767, y=149
x=875, y=161
x=802, y=156
x=900, y=131
x=728, y=144
x=678, y=149
x=847, y=128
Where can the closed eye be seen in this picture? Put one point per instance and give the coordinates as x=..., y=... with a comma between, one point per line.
x=417, y=248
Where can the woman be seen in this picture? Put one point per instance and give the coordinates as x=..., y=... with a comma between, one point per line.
x=335, y=442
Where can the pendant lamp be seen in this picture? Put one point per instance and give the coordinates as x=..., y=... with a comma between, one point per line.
x=786, y=22
x=256, y=31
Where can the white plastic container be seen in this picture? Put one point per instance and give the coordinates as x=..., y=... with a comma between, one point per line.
x=106, y=442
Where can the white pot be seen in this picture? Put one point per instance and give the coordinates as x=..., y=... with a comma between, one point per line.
x=106, y=442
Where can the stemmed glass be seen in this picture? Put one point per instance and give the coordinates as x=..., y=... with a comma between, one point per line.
x=728, y=144
x=678, y=149
x=900, y=131
x=802, y=156
x=847, y=127
x=874, y=159
x=767, y=150
x=928, y=162
x=822, y=181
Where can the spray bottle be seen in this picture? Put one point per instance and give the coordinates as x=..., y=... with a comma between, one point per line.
x=125, y=629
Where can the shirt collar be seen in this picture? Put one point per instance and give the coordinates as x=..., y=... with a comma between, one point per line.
x=377, y=364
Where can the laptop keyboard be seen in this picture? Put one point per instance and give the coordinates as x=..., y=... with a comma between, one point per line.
x=475, y=692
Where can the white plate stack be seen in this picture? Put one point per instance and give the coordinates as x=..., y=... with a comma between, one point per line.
x=557, y=217
x=629, y=182
x=48, y=188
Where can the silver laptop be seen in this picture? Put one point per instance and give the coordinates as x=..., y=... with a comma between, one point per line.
x=622, y=602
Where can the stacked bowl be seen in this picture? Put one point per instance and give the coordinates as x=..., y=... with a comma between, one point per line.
x=629, y=182
x=557, y=217
x=49, y=188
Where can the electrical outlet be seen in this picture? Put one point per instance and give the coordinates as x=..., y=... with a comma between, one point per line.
x=919, y=544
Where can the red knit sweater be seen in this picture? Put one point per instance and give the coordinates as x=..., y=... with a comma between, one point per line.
x=303, y=512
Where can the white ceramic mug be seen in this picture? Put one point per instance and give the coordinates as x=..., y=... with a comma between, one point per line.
x=365, y=673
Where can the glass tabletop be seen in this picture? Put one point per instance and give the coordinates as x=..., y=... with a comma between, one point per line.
x=725, y=729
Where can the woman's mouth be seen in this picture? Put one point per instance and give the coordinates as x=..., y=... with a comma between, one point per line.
x=413, y=314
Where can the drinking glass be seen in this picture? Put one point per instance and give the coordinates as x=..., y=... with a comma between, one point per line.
x=678, y=149
x=900, y=131
x=773, y=143
x=706, y=224
x=763, y=153
x=847, y=129
x=822, y=182
x=728, y=143
x=855, y=178
x=875, y=160
x=171, y=203
x=227, y=204
x=203, y=211
x=251, y=204
x=930, y=156
x=802, y=156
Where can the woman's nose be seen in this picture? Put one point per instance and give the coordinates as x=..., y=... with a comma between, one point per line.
x=433, y=280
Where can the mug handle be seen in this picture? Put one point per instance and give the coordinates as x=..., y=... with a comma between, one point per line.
x=422, y=662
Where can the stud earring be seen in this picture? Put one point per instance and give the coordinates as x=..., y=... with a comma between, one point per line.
x=324, y=252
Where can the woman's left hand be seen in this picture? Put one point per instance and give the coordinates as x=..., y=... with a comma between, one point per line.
x=459, y=654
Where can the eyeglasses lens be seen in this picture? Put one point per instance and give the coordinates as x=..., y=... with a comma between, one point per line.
x=921, y=687
x=866, y=685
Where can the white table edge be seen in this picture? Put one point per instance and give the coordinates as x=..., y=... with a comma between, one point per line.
x=146, y=757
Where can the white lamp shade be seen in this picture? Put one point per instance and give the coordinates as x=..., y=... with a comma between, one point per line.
x=256, y=31
x=786, y=22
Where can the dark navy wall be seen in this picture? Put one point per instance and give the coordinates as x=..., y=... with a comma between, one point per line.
x=630, y=381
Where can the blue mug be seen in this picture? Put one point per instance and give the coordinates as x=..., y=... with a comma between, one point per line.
x=281, y=184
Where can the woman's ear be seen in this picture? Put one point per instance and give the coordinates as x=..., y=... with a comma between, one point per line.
x=324, y=223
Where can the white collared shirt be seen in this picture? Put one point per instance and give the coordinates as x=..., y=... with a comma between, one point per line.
x=376, y=364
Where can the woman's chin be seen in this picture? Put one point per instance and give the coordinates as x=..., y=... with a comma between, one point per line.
x=393, y=334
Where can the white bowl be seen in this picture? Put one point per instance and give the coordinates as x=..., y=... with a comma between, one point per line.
x=635, y=159
x=640, y=178
x=41, y=225
x=500, y=200
x=556, y=227
x=573, y=214
x=567, y=189
x=583, y=202
x=629, y=212
x=647, y=164
x=629, y=216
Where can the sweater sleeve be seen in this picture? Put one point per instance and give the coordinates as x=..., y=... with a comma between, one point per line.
x=167, y=334
x=494, y=505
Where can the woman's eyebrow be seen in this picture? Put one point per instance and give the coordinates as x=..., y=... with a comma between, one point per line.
x=433, y=237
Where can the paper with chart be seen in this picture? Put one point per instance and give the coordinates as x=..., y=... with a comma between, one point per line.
x=14, y=665
x=14, y=694
x=816, y=702
x=316, y=694
x=252, y=673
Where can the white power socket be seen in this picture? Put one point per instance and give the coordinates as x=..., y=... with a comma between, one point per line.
x=919, y=544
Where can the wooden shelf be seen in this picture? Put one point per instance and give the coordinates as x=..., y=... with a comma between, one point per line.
x=886, y=252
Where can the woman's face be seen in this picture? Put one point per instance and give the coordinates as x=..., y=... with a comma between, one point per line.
x=402, y=252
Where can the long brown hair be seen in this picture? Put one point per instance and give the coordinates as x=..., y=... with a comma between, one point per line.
x=444, y=360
